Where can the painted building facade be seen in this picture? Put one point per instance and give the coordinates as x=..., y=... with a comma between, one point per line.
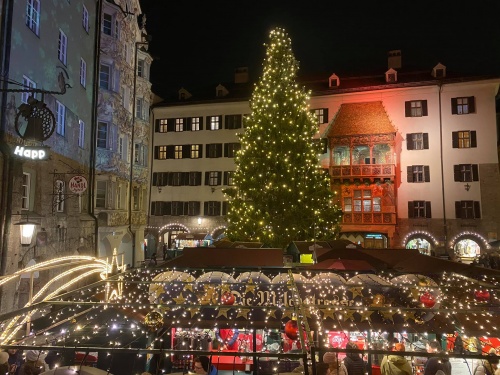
x=122, y=135
x=412, y=156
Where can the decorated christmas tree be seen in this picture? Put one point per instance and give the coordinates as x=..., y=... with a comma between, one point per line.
x=281, y=194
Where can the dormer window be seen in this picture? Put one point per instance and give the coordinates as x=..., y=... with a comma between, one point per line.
x=333, y=81
x=221, y=91
x=391, y=76
x=184, y=94
x=439, y=71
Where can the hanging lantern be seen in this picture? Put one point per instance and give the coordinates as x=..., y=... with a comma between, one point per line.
x=428, y=300
x=481, y=295
x=292, y=329
x=227, y=298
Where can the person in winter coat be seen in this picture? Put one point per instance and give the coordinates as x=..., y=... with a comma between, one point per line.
x=486, y=366
x=353, y=361
x=435, y=364
x=34, y=364
x=202, y=366
x=4, y=363
x=334, y=366
x=394, y=364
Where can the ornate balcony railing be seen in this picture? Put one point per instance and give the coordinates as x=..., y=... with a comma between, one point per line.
x=362, y=170
x=382, y=218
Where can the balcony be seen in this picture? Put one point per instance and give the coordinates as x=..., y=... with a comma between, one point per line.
x=362, y=171
x=373, y=218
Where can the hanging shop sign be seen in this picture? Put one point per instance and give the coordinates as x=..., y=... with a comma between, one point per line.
x=78, y=184
x=32, y=152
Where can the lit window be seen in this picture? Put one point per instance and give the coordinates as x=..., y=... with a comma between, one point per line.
x=60, y=118
x=85, y=19
x=81, y=134
x=464, y=139
x=178, y=152
x=195, y=124
x=321, y=115
x=416, y=109
x=27, y=83
x=62, y=47
x=195, y=151
x=163, y=126
x=33, y=15
x=83, y=73
x=214, y=123
x=179, y=124
x=162, y=152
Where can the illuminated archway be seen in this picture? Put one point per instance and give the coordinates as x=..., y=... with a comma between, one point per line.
x=468, y=246
x=421, y=241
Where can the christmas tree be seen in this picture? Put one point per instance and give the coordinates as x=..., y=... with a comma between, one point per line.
x=281, y=194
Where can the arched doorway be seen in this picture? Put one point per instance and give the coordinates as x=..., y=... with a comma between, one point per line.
x=422, y=242
x=467, y=248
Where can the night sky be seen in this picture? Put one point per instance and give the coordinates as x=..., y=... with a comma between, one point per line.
x=200, y=43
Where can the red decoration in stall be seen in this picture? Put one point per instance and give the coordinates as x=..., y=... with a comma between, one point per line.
x=428, y=300
x=481, y=295
x=292, y=329
x=227, y=298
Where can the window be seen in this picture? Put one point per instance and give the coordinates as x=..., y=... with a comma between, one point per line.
x=194, y=178
x=466, y=172
x=101, y=192
x=140, y=154
x=362, y=201
x=136, y=198
x=417, y=141
x=418, y=173
x=212, y=208
x=119, y=198
x=161, y=152
x=212, y=178
x=102, y=134
x=105, y=77
x=162, y=127
x=59, y=196
x=214, y=122
x=467, y=210
x=419, y=209
x=230, y=149
x=391, y=77
x=27, y=83
x=107, y=24
x=193, y=208
x=26, y=191
x=60, y=118
x=83, y=73
x=121, y=146
x=233, y=122
x=141, y=65
x=229, y=178
x=85, y=19
x=416, y=108
x=33, y=15
x=463, y=106
x=177, y=179
x=177, y=208
x=178, y=152
x=139, y=108
x=214, y=150
x=137, y=153
x=179, y=124
x=321, y=115
x=81, y=134
x=195, y=151
x=195, y=123
x=62, y=47
x=464, y=139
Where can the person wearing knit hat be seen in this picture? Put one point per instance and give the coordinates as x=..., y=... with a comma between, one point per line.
x=34, y=364
x=4, y=362
x=334, y=366
x=393, y=364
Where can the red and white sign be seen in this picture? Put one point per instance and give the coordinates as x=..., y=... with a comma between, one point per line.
x=78, y=184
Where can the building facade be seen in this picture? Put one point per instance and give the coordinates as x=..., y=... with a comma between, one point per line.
x=122, y=137
x=48, y=52
x=412, y=157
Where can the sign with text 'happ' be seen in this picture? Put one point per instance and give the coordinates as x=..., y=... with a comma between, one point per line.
x=78, y=184
x=32, y=152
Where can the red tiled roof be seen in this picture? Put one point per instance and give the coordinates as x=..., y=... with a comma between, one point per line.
x=361, y=118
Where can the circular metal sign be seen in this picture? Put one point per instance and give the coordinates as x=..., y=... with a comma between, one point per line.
x=78, y=184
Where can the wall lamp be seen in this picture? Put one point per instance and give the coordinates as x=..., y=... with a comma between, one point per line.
x=467, y=187
x=159, y=189
x=27, y=229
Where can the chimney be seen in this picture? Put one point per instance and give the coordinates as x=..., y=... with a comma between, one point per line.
x=394, y=59
x=241, y=75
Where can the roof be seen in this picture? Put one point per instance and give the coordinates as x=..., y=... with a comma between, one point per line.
x=360, y=118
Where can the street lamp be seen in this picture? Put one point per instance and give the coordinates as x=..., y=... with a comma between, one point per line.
x=27, y=228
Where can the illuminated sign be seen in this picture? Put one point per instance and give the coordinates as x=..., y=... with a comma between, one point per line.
x=32, y=152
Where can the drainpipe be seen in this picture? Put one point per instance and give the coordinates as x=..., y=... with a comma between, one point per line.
x=93, y=128
x=6, y=196
x=445, y=226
